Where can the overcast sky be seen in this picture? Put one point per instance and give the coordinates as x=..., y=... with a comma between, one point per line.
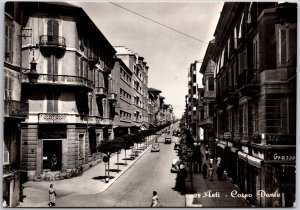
x=167, y=53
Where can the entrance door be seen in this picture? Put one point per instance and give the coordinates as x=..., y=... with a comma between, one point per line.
x=50, y=148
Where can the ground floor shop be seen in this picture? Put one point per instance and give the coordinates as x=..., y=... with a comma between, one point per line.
x=60, y=147
x=267, y=176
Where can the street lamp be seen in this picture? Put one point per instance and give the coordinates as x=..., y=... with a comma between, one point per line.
x=32, y=72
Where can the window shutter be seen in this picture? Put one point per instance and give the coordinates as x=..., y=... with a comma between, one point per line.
x=49, y=65
x=11, y=32
x=284, y=115
x=292, y=43
x=50, y=107
x=55, y=27
x=282, y=42
x=5, y=155
x=6, y=39
x=49, y=27
x=55, y=62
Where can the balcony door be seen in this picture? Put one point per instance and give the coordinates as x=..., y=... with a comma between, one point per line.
x=52, y=102
x=52, y=30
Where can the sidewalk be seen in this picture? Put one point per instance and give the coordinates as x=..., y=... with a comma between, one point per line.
x=91, y=182
x=205, y=193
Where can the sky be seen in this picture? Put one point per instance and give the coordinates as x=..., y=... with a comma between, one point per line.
x=168, y=53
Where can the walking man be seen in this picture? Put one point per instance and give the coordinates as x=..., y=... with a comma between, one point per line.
x=204, y=170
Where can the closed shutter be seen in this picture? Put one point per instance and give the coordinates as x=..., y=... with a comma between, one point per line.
x=282, y=43
x=284, y=115
x=292, y=43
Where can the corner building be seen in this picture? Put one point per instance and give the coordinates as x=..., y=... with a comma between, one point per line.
x=71, y=106
x=255, y=116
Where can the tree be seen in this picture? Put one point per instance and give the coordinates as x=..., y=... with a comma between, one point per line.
x=108, y=148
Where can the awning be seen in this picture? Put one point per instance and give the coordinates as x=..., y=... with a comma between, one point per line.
x=221, y=145
x=254, y=161
x=234, y=149
x=242, y=155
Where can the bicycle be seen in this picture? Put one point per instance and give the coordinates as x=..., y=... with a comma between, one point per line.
x=45, y=176
x=61, y=175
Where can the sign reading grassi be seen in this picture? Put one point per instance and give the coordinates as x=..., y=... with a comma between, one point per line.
x=227, y=135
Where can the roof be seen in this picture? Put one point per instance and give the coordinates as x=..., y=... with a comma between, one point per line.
x=154, y=90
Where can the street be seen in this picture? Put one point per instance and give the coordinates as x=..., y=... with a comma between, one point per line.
x=134, y=188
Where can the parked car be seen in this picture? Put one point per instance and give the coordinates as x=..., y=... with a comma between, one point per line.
x=177, y=164
x=168, y=140
x=155, y=147
x=177, y=145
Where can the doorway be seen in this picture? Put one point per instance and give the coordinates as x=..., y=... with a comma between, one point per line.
x=50, y=148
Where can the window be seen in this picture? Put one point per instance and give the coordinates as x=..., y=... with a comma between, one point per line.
x=287, y=42
x=5, y=154
x=8, y=88
x=52, y=29
x=52, y=102
x=211, y=85
x=9, y=32
x=52, y=65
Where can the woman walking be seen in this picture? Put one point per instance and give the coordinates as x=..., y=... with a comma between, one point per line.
x=52, y=195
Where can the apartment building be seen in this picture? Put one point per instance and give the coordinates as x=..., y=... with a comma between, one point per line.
x=255, y=74
x=71, y=106
x=139, y=89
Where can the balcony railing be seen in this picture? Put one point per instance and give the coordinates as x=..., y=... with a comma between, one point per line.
x=52, y=41
x=209, y=94
x=61, y=80
x=15, y=109
x=248, y=83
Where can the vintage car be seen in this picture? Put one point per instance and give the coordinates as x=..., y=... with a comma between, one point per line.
x=155, y=147
x=168, y=140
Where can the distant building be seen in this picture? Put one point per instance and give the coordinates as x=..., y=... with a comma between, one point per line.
x=139, y=89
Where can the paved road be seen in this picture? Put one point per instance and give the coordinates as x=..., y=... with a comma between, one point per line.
x=134, y=188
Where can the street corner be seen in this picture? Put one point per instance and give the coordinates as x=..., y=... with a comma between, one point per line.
x=190, y=201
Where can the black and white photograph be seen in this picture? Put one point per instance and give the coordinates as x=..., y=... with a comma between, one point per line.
x=149, y=104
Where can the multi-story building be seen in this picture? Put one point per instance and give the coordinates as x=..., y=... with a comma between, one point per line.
x=71, y=106
x=122, y=80
x=139, y=89
x=255, y=56
x=193, y=79
x=207, y=98
x=153, y=106
x=15, y=107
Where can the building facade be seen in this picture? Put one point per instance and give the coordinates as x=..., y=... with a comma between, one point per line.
x=255, y=56
x=154, y=106
x=71, y=105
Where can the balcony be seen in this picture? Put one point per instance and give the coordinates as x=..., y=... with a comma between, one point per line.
x=62, y=80
x=52, y=42
x=210, y=94
x=100, y=92
x=248, y=83
x=113, y=97
x=93, y=60
x=52, y=45
x=15, y=109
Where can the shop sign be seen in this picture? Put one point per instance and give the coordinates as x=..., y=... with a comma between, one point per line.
x=52, y=132
x=283, y=156
x=227, y=135
x=281, y=139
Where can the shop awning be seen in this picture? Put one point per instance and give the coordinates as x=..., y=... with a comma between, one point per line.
x=221, y=145
x=254, y=161
x=242, y=155
x=234, y=149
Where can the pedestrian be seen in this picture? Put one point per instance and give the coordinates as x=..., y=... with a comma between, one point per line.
x=211, y=160
x=155, y=202
x=219, y=160
x=211, y=172
x=204, y=170
x=53, y=162
x=52, y=195
x=206, y=154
